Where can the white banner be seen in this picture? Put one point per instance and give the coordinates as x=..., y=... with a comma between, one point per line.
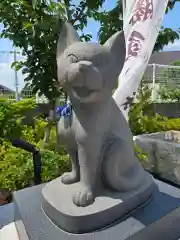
x=142, y=22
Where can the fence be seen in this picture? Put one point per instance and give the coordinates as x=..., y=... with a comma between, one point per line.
x=14, y=95
x=158, y=76
x=12, y=82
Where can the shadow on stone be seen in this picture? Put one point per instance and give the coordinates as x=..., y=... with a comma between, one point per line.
x=161, y=205
x=6, y=214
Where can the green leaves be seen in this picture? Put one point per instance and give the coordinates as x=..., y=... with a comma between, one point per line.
x=16, y=165
x=27, y=25
x=34, y=2
x=171, y=4
x=111, y=22
x=170, y=94
x=35, y=31
x=141, y=155
x=17, y=65
x=34, y=26
x=136, y=113
x=11, y=114
x=166, y=35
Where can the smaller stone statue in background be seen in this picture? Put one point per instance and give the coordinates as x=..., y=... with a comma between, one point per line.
x=172, y=136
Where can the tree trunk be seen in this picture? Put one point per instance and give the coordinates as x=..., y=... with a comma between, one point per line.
x=51, y=119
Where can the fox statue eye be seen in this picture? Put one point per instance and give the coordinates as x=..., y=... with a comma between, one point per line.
x=72, y=58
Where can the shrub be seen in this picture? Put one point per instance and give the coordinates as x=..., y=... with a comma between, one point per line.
x=151, y=124
x=141, y=124
x=141, y=155
x=11, y=114
x=16, y=165
x=136, y=113
x=170, y=93
x=159, y=124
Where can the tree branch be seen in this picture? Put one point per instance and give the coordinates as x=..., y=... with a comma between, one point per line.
x=78, y=16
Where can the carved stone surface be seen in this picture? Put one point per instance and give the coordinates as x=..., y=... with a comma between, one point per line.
x=96, y=134
x=108, y=207
x=159, y=219
x=163, y=154
x=173, y=136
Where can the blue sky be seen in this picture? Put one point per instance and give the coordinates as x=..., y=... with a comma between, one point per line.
x=7, y=74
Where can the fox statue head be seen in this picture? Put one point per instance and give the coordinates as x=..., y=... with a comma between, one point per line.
x=88, y=72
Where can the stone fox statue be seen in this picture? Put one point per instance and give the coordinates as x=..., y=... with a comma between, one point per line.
x=97, y=135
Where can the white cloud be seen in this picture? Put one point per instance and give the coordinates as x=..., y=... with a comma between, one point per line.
x=173, y=46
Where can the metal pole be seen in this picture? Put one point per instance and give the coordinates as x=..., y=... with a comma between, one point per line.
x=16, y=78
x=19, y=143
x=153, y=96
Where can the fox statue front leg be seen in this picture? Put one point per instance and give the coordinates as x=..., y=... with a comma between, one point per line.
x=74, y=175
x=88, y=155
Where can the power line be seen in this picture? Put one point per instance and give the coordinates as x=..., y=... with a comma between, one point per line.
x=12, y=52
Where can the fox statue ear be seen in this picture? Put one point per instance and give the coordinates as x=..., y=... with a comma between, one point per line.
x=117, y=45
x=67, y=37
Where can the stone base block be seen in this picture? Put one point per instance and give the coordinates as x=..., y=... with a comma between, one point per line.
x=159, y=219
x=109, y=206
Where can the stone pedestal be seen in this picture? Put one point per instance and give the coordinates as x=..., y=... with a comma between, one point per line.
x=159, y=219
x=163, y=155
x=109, y=206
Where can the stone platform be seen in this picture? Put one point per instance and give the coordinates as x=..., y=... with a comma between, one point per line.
x=8, y=230
x=163, y=154
x=109, y=206
x=159, y=219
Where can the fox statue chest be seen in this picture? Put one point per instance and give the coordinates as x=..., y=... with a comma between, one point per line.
x=72, y=130
x=66, y=130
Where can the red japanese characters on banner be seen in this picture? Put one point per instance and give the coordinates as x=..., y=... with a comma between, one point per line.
x=134, y=44
x=143, y=10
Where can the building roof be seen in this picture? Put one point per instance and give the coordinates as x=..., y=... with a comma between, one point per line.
x=161, y=58
x=165, y=58
x=6, y=89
